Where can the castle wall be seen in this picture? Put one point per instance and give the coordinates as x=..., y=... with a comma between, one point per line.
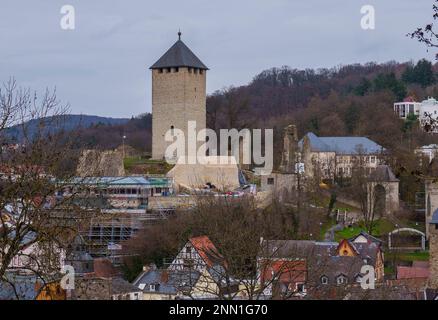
x=433, y=256
x=431, y=198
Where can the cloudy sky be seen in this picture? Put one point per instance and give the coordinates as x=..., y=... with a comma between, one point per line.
x=101, y=67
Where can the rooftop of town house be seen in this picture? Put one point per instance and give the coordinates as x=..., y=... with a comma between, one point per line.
x=341, y=145
x=404, y=272
x=207, y=250
x=164, y=281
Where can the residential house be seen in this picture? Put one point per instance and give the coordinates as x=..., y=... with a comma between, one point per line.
x=299, y=268
x=37, y=256
x=406, y=107
x=98, y=288
x=426, y=111
x=428, y=151
x=199, y=271
x=164, y=284
x=330, y=157
x=199, y=253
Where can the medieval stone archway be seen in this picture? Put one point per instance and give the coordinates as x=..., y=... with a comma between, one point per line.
x=383, y=191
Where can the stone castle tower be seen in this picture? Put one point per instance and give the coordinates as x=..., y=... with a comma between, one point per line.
x=178, y=95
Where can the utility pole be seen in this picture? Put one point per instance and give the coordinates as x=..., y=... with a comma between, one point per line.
x=123, y=145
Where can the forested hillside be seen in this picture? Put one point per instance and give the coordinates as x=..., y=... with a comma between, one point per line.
x=346, y=100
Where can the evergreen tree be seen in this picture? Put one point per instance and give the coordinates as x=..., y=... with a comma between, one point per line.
x=421, y=73
x=363, y=88
x=388, y=81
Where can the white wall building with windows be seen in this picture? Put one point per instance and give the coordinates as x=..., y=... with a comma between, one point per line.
x=403, y=109
x=426, y=112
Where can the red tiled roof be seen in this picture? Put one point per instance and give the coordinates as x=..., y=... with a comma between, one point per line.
x=284, y=270
x=409, y=99
x=420, y=264
x=412, y=272
x=207, y=250
x=103, y=268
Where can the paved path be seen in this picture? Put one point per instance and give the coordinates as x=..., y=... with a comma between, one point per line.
x=330, y=234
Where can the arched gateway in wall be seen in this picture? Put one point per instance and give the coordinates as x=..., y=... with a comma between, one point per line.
x=407, y=230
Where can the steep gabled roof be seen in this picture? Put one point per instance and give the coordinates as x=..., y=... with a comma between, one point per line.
x=383, y=173
x=179, y=55
x=369, y=237
x=208, y=251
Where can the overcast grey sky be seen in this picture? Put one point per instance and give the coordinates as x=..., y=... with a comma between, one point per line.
x=101, y=67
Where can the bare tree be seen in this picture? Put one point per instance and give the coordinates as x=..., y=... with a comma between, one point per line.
x=427, y=34
x=35, y=164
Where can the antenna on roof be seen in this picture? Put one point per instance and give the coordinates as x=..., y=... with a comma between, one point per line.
x=179, y=34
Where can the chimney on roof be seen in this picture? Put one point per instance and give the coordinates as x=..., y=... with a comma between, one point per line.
x=164, y=277
x=151, y=266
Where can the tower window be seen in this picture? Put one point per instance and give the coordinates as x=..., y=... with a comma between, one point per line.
x=160, y=70
x=201, y=71
x=171, y=129
x=168, y=70
x=176, y=69
x=190, y=70
x=195, y=71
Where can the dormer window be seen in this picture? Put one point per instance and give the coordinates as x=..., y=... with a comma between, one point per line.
x=341, y=279
x=301, y=288
x=358, y=278
x=324, y=280
x=152, y=287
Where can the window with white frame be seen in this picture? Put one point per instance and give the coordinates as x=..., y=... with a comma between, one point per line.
x=358, y=278
x=324, y=280
x=341, y=279
x=300, y=287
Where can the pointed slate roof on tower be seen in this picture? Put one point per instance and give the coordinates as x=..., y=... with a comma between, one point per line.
x=179, y=55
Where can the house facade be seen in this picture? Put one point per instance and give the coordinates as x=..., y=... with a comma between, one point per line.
x=330, y=157
x=199, y=271
x=406, y=107
x=425, y=111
